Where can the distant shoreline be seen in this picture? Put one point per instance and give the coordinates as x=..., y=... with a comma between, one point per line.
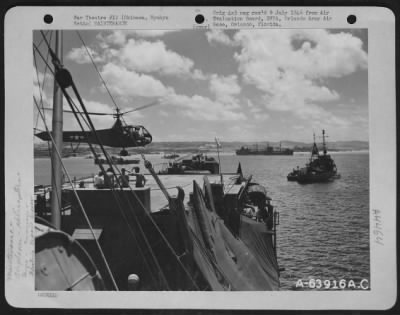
x=187, y=147
x=222, y=153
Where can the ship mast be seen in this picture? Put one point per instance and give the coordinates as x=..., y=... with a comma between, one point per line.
x=57, y=132
x=314, y=150
x=323, y=141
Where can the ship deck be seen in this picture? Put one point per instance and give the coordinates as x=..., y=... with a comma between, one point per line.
x=170, y=181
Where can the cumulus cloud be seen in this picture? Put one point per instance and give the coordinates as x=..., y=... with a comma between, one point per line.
x=202, y=108
x=120, y=37
x=262, y=116
x=149, y=57
x=259, y=112
x=141, y=55
x=290, y=66
x=41, y=98
x=40, y=77
x=42, y=85
x=219, y=36
x=153, y=33
x=80, y=55
x=128, y=83
x=225, y=88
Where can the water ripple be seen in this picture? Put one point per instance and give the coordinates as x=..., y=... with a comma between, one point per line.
x=324, y=231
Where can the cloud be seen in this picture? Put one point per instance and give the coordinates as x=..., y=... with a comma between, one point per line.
x=153, y=33
x=41, y=77
x=202, y=108
x=262, y=116
x=144, y=56
x=117, y=38
x=127, y=83
x=141, y=55
x=291, y=66
x=219, y=36
x=242, y=133
x=42, y=84
x=225, y=88
x=80, y=55
x=120, y=37
x=163, y=113
x=312, y=53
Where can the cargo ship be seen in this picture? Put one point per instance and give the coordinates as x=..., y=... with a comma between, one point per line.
x=117, y=159
x=268, y=150
x=170, y=156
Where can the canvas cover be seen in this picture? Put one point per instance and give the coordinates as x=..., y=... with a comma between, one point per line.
x=227, y=262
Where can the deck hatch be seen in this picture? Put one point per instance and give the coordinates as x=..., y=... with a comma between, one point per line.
x=86, y=234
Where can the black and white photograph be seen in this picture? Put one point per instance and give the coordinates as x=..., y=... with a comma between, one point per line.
x=202, y=159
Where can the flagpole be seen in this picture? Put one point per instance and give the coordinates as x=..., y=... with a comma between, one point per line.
x=219, y=160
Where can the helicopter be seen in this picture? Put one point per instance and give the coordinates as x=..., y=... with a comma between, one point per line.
x=118, y=136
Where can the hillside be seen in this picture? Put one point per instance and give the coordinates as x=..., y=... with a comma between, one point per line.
x=41, y=149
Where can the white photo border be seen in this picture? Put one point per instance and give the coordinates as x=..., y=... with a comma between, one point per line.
x=19, y=172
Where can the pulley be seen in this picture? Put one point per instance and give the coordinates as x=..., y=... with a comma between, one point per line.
x=64, y=78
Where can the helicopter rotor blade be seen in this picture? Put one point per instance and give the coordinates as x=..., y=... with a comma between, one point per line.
x=157, y=102
x=118, y=113
x=90, y=113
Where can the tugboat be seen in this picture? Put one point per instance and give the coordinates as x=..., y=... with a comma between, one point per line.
x=198, y=163
x=321, y=167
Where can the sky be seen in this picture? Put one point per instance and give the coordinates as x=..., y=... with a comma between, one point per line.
x=237, y=85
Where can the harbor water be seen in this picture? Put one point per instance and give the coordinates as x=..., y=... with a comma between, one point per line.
x=324, y=227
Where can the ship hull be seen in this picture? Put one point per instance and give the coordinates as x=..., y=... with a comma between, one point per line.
x=128, y=231
x=263, y=153
x=315, y=178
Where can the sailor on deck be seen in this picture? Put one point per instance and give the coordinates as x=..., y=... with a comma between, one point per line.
x=99, y=180
x=140, y=179
x=123, y=178
x=109, y=178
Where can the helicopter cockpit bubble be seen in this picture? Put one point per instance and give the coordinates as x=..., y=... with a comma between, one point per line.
x=146, y=135
x=138, y=134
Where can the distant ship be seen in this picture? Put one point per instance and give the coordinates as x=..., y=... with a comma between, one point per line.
x=170, y=156
x=117, y=160
x=196, y=164
x=321, y=167
x=266, y=151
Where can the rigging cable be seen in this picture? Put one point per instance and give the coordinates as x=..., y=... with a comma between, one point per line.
x=82, y=208
x=94, y=64
x=67, y=96
x=78, y=96
x=38, y=80
x=41, y=86
x=136, y=197
x=59, y=202
x=110, y=163
x=105, y=85
x=41, y=41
